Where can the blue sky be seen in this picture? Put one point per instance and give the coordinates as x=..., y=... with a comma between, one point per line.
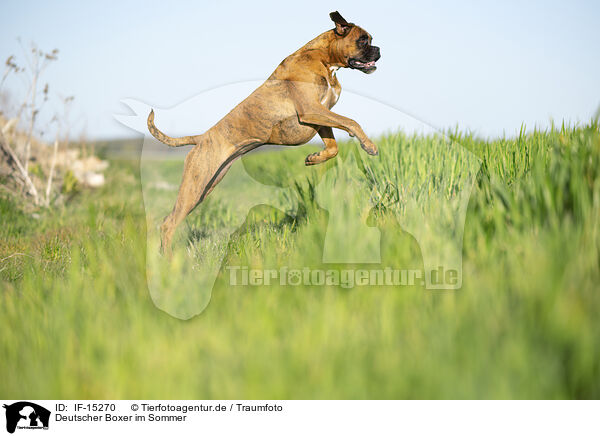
x=486, y=66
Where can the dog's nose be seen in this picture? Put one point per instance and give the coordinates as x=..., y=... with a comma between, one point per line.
x=377, y=53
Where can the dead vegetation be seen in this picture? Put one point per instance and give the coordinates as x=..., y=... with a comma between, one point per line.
x=41, y=173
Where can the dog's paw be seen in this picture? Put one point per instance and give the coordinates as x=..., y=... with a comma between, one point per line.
x=369, y=147
x=312, y=159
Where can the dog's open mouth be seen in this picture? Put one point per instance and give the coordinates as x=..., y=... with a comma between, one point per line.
x=367, y=67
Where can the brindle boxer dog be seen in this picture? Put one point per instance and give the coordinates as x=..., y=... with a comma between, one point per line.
x=288, y=109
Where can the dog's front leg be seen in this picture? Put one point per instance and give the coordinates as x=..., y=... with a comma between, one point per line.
x=319, y=115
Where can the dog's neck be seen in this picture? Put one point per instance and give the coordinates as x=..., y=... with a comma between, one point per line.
x=320, y=42
x=325, y=42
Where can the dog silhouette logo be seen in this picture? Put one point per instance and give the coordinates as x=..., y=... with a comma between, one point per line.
x=26, y=415
x=428, y=207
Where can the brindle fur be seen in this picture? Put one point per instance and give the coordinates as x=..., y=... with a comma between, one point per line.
x=289, y=108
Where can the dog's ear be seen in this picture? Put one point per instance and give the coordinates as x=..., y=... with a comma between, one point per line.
x=342, y=27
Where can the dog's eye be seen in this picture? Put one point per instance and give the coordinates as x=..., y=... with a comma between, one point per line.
x=362, y=42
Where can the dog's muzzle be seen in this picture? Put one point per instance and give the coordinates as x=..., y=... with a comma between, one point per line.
x=366, y=63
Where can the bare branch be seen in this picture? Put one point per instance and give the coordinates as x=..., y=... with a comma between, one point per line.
x=51, y=175
x=15, y=164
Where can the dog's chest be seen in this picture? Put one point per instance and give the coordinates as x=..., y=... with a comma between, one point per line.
x=332, y=93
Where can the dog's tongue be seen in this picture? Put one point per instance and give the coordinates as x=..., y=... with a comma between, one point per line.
x=370, y=64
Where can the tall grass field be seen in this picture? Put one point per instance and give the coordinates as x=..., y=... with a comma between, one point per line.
x=78, y=319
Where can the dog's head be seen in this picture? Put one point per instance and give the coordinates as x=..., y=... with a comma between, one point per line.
x=352, y=45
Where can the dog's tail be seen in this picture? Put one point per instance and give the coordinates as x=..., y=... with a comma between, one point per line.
x=171, y=142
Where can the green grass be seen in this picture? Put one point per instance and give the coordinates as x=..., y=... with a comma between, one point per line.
x=77, y=320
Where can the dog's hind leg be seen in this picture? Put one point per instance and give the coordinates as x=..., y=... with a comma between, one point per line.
x=201, y=163
x=205, y=166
